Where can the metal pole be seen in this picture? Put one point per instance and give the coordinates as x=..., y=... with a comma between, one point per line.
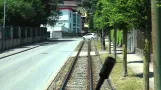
x=156, y=29
x=4, y=22
x=4, y=18
x=76, y=22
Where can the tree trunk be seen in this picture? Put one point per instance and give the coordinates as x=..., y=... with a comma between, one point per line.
x=125, y=53
x=109, y=36
x=114, y=42
x=146, y=62
x=156, y=41
x=147, y=52
x=100, y=38
x=103, y=40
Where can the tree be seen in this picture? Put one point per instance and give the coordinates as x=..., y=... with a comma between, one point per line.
x=156, y=31
x=27, y=12
x=123, y=15
x=100, y=23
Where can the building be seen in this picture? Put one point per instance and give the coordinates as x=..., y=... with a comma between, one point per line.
x=69, y=22
x=70, y=19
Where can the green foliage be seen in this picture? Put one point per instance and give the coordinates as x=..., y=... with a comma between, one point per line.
x=122, y=14
x=27, y=12
x=112, y=32
x=119, y=36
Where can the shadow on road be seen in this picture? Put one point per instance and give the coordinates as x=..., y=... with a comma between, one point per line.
x=135, y=62
x=34, y=45
x=53, y=41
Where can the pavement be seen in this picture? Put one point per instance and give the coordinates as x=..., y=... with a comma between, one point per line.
x=36, y=68
x=17, y=50
x=82, y=53
x=135, y=63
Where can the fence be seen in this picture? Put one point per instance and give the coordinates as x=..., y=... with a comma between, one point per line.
x=17, y=36
x=136, y=41
x=65, y=34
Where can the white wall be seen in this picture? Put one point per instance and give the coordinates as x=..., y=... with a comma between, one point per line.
x=65, y=15
x=66, y=20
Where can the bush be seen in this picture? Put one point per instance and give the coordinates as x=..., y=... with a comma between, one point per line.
x=119, y=36
x=25, y=12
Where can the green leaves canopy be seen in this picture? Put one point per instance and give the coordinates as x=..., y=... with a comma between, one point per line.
x=120, y=13
x=27, y=12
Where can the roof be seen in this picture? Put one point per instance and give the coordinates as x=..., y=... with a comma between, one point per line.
x=68, y=8
x=71, y=3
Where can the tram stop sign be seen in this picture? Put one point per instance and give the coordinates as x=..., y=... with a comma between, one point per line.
x=105, y=71
x=107, y=67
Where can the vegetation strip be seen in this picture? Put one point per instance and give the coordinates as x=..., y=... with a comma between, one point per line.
x=131, y=82
x=97, y=53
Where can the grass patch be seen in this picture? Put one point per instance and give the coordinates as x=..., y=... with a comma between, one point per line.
x=131, y=82
x=78, y=46
x=98, y=44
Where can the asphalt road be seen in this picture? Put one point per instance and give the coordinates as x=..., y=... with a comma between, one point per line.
x=36, y=68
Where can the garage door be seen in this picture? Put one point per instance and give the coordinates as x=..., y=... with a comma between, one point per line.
x=57, y=34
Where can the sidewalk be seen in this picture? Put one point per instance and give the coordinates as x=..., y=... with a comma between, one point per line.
x=17, y=50
x=135, y=63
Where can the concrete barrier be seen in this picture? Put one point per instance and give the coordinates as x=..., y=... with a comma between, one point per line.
x=12, y=43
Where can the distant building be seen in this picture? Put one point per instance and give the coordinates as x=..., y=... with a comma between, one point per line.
x=69, y=21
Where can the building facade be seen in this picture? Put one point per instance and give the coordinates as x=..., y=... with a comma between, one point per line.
x=69, y=19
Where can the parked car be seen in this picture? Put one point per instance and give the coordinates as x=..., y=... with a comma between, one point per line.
x=89, y=36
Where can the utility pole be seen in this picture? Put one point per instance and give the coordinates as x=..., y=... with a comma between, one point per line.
x=4, y=22
x=156, y=39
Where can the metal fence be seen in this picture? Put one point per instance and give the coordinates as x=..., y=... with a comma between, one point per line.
x=65, y=34
x=16, y=36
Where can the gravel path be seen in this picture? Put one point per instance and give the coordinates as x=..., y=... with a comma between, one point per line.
x=79, y=77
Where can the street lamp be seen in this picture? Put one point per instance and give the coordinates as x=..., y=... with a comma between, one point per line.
x=4, y=18
x=4, y=22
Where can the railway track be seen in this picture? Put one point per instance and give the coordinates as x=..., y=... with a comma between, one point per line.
x=79, y=76
x=83, y=71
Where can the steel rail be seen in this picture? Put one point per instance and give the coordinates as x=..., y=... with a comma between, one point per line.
x=90, y=66
x=71, y=68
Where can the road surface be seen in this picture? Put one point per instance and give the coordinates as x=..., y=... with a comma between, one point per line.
x=36, y=68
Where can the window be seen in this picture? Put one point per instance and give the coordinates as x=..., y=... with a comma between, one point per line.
x=70, y=25
x=60, y=13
